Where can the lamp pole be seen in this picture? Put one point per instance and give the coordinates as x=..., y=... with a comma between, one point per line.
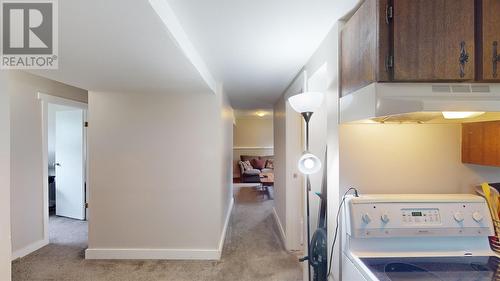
x=307, y=118
x=305, y=104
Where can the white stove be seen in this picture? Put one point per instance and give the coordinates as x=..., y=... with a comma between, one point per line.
x=417, y=237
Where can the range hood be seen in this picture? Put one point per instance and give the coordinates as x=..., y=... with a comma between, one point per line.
x=419, y=102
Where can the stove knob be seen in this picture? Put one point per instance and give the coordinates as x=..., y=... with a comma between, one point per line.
x=366, y=218
x=477, y=216
x=459, y=217
x=384, y=218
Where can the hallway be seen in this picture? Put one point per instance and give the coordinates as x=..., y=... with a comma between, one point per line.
x=252, y=252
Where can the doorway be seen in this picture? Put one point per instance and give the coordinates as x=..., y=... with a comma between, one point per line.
x=65, y=170
x=253, y=151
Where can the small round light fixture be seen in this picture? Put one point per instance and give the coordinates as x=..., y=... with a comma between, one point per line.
x=260, y=113
x=309, y=164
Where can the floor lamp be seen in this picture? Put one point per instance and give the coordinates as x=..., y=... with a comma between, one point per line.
x=306, y=104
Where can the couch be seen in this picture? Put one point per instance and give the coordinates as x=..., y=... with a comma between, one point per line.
x=259, y=164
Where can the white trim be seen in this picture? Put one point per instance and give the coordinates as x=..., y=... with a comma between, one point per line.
x=252, y=147
x=29, y=249
x=170, y=20
x=45, y=170
x=45, y=99
x=226, y=225
x=280, y=226
x=163, y=254
x=61, y=101
x=152, y=254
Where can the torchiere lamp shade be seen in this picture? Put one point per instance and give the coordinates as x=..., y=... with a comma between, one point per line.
x=306, y=102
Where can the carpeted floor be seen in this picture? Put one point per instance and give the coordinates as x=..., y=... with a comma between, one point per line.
x=252, y=252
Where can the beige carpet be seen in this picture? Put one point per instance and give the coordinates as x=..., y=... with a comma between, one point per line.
x=252, y=252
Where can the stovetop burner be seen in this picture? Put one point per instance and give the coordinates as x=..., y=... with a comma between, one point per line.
x=465, y=268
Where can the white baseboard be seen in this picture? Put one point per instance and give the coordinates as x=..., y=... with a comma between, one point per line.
x=29, y=249
x=162, y=254
x=280, y=226
x=226, y=225
x=151, y=254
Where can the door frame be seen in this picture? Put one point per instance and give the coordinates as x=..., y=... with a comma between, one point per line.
x=45, y=100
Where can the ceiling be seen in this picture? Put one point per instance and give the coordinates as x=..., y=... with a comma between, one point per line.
x=257, y=47
x=253, y=47
x=121, y=46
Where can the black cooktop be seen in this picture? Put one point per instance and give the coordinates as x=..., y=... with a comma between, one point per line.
x=464, y=268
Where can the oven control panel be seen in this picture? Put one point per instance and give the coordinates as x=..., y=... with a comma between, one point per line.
x=420, y=216
x=417, y=215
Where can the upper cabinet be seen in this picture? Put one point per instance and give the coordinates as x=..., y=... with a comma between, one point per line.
x=433, y=40
x=481, y=143
x=488, y=40
x=364, y=48
x=420, y=41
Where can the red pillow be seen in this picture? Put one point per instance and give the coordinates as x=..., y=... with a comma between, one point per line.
x=258, y=163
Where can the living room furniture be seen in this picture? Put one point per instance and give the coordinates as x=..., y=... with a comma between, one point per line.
x=252, y=174
x=266, y=181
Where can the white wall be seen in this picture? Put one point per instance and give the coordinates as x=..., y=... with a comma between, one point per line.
x=407, y=158
x=318, y=140
x=160, y=171
x=5, y=237
x=295, y=196
x=226, y=162
x=289, y=189
x=253, y=132
x=280, y=167
x=26, y=156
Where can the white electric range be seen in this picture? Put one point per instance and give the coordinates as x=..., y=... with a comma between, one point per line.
x=417, y=237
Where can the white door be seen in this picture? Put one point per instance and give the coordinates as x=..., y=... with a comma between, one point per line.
x=70, y=177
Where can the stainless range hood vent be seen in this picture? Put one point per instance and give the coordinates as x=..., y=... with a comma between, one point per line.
x=417, y=102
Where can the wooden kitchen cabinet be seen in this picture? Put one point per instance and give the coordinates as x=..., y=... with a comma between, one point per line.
x=364, y=48
x=481, y=143
x=420, y=41
x=433, y=40
x=488, y=34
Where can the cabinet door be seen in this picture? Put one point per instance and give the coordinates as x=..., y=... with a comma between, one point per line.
x=491, y=143
x=472, y=142
x=481, y=143
x=364, y=47
x=431, y=38
x=489, y=29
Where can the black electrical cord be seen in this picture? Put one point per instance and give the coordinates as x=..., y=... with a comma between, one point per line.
x=337, y=226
